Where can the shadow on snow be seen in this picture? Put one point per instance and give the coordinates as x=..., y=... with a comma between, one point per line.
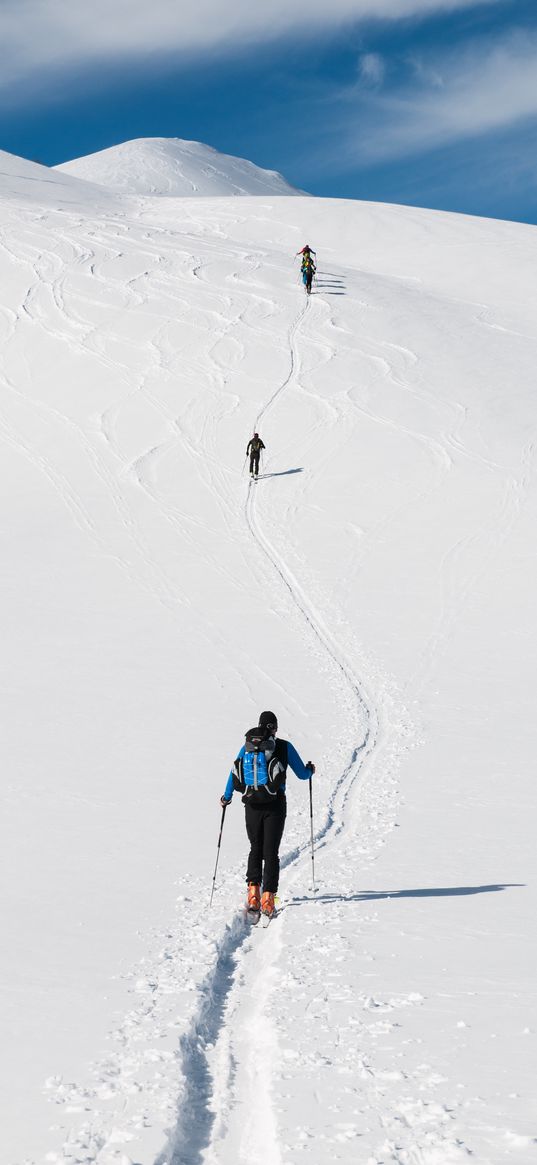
x=329, y=284
x=425, y=892
x=195, y=1119
x=283, y=472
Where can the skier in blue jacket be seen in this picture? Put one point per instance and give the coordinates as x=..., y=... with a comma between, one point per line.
x=265, y=821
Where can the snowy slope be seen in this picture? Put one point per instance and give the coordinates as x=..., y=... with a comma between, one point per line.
x=26, y=181
x=176, y=168
x=376, y=588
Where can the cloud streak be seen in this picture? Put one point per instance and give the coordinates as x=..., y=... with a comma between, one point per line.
x=40, y=36
x=371, y=68
x=459, y=96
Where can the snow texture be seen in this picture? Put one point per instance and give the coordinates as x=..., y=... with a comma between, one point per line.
x=376, y=587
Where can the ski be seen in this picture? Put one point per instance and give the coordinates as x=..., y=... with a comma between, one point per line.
x=266, y=919
x=252, y=916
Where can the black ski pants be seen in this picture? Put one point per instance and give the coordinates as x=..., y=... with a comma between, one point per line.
x=254, y=462
x=264, y=826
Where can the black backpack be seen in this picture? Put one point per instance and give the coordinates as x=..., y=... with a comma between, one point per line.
x=260, y=773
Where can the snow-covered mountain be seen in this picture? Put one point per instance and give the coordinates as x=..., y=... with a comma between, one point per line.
x=170, y=166
x=375, y=588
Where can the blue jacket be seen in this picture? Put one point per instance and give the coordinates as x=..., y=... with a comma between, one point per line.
x=293, y=760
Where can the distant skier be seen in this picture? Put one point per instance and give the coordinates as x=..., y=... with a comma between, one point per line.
x=306, y=252
x=253, y=449
x=308, y=271
x=259, y=773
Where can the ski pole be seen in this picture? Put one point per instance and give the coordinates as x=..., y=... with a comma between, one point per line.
x=218, y=852
x=312, y=846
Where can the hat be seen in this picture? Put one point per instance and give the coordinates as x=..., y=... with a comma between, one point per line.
x=268, y=720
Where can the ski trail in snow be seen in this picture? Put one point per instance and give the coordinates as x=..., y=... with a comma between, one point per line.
x=308, y=613
x=234, y=1048
x=248, y=1020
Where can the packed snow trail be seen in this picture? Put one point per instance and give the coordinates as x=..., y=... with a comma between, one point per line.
x=229, y=1062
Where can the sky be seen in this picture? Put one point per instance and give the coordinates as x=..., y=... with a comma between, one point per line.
x=422, y=102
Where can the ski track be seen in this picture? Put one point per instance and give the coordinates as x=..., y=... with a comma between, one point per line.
x=235, y=1043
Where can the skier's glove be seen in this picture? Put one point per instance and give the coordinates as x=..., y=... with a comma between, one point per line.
x=310, y=765
x=225, y=801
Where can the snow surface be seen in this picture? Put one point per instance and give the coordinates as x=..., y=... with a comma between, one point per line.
x=376, y=588
x=31, y=182
x=176, y=168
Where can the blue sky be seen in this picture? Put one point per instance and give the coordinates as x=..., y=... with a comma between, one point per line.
x=425, y=102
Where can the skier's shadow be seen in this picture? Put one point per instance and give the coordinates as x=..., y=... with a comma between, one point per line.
x=283, y=472
x=426, y=892
x=329, y=283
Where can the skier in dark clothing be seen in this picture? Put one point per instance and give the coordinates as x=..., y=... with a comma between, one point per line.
x=308, y=271
x=265, y=805
x=254, y=448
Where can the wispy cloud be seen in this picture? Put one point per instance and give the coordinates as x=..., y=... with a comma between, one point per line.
x=371, y=68
x=463, y=94
x=38, y=36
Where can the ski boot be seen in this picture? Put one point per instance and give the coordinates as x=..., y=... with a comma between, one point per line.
x=253, y=901
x=267, y=904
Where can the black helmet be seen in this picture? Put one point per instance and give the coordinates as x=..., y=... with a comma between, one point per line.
x=269, y=721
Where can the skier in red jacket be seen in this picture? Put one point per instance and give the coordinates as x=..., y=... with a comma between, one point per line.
x=306, y=252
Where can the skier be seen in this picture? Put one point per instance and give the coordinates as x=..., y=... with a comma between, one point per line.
x=306, y=252
x=254, y=447
x=308, y=271
x=259, y=773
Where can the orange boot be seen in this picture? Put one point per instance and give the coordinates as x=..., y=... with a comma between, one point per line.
x=253, y=901
x=267, y=903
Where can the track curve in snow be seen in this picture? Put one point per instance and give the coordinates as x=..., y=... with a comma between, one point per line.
x=221, y=1054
